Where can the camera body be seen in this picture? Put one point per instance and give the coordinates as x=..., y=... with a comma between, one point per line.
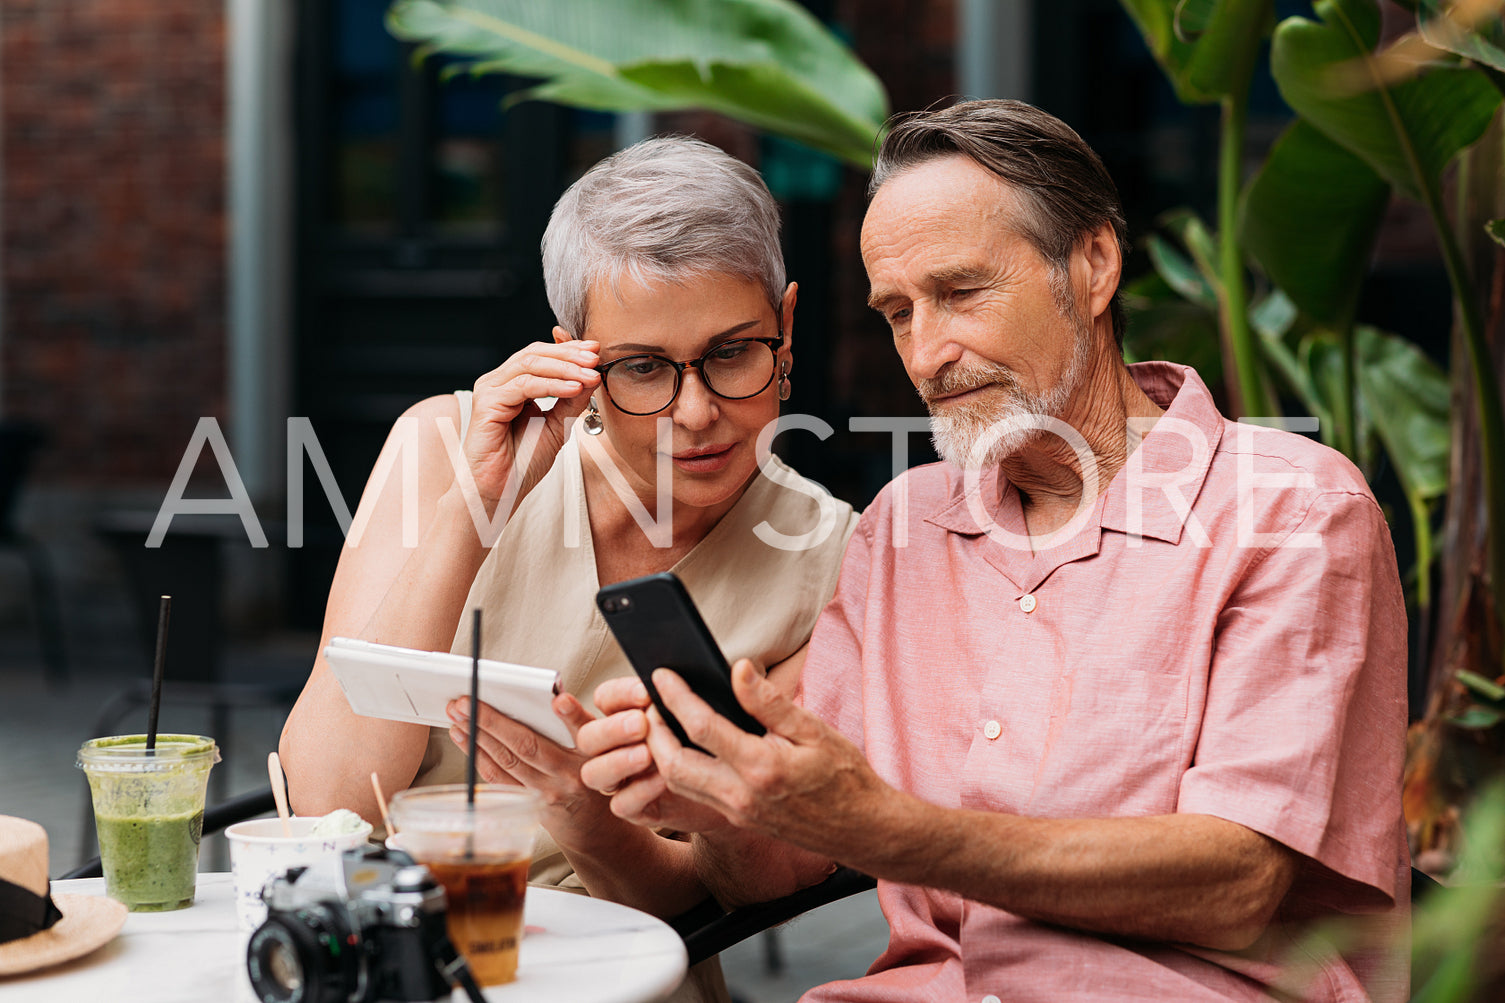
x=367, y=925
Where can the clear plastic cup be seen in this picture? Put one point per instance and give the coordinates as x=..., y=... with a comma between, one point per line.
x=480, y=853
x=149, y=813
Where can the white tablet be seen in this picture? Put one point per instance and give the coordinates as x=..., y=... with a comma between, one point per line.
x=404, y=684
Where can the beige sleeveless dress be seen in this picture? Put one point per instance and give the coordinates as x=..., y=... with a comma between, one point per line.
x=760, y=578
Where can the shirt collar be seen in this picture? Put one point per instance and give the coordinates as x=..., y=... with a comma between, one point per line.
x=1153, y=494
x=1165, y=473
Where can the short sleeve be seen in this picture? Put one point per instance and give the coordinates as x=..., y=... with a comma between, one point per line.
x=831, y=681
x=1303, y=737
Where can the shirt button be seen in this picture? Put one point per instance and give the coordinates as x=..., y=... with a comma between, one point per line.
x=1027, y=604
x=992, y=730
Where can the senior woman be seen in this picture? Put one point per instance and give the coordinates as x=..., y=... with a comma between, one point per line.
x=671, y=354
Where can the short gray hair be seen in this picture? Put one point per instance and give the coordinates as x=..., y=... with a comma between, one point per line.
x=666, y=209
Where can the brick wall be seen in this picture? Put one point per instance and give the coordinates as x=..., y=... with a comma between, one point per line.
x=112, y=230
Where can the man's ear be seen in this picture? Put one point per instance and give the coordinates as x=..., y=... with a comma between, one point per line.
x=1104, y=265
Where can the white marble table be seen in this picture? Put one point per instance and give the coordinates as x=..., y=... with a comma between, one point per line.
x=576, y=949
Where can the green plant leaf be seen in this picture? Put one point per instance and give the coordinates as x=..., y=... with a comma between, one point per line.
x=1487, y=688
x=1200, y=242
x=1274, y=315
x=1483, y=42
x=1406, y=132
x=1223, y=59
x=1181, y=273
x=1293, y=368
x=1321, y=355
x=765, y=62
x=1165, y=325
x=1155, y=20
x=761, y=95
x=1206, y=48
x=1408, y=398
x=1496, y=229
x=1477, y=719
x=1310, y=217
x=1192, y=18
x=1448, y=927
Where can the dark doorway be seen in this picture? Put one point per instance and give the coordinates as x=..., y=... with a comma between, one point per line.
x=420, y=203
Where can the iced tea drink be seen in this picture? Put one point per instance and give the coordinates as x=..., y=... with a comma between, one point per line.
x=481, y=855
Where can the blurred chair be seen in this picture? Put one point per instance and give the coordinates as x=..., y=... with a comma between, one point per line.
x=707, y=930
x=18, y=443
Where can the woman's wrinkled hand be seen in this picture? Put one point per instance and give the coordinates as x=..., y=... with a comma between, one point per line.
x=509, y=752
x=620, y=766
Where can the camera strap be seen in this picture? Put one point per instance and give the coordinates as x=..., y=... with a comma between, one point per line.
x=453, y=969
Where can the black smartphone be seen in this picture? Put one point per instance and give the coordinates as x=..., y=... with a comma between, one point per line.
x=658, y=626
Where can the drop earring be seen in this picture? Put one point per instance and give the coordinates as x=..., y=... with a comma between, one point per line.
x=783, y=381
x=592, y=419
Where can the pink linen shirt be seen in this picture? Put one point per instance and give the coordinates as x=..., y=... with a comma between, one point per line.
x=1224, y=635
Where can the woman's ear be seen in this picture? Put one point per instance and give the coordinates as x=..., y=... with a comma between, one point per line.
x=786, y=323
x=561, y=335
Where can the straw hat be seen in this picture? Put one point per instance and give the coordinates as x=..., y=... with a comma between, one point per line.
x=88, y=922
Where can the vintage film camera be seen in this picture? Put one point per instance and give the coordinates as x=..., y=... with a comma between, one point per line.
x=365, y=926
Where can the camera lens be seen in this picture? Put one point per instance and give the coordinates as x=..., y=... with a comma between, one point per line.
x=303, y=957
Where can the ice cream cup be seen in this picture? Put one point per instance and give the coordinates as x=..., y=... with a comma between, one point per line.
x=259, y=850
x=149, y=813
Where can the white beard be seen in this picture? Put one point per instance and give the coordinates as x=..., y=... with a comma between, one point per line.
x=958, y=428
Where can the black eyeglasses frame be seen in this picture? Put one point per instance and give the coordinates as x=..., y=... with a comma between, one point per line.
x=696, y=364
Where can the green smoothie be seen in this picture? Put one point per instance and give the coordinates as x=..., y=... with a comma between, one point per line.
x=149, y=812
x=150, y=863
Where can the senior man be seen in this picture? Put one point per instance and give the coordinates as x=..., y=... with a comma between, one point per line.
x=1112, y=702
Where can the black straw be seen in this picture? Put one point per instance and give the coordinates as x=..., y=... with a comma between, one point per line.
x=475, y=704
x=164, y=612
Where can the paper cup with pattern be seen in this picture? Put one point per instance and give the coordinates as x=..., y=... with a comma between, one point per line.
x=259, y=850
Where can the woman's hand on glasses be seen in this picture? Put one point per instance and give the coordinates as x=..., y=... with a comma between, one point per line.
x=505, y=405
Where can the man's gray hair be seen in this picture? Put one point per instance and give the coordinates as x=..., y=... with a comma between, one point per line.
x=664, y=210
x=1066, y=191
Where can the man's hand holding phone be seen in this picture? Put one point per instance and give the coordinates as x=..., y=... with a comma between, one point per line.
x=802, y=782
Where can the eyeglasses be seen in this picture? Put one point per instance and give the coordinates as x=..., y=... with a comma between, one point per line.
x=733, y=370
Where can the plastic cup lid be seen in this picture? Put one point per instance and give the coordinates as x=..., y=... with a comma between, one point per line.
x=445, y=807
x=129, y=754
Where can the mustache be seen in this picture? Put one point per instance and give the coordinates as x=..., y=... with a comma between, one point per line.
x=957, y=378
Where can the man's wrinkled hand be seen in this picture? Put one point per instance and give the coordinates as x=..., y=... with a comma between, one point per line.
x=802, y=782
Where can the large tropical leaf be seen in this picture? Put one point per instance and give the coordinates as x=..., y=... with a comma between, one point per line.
x=1407, y=398
x=1407, y=132
x=1156, y=21
x=1224, y=55
x=765, y=62
x=1483, y=41
x=1205, y=47
x=1310, y=217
